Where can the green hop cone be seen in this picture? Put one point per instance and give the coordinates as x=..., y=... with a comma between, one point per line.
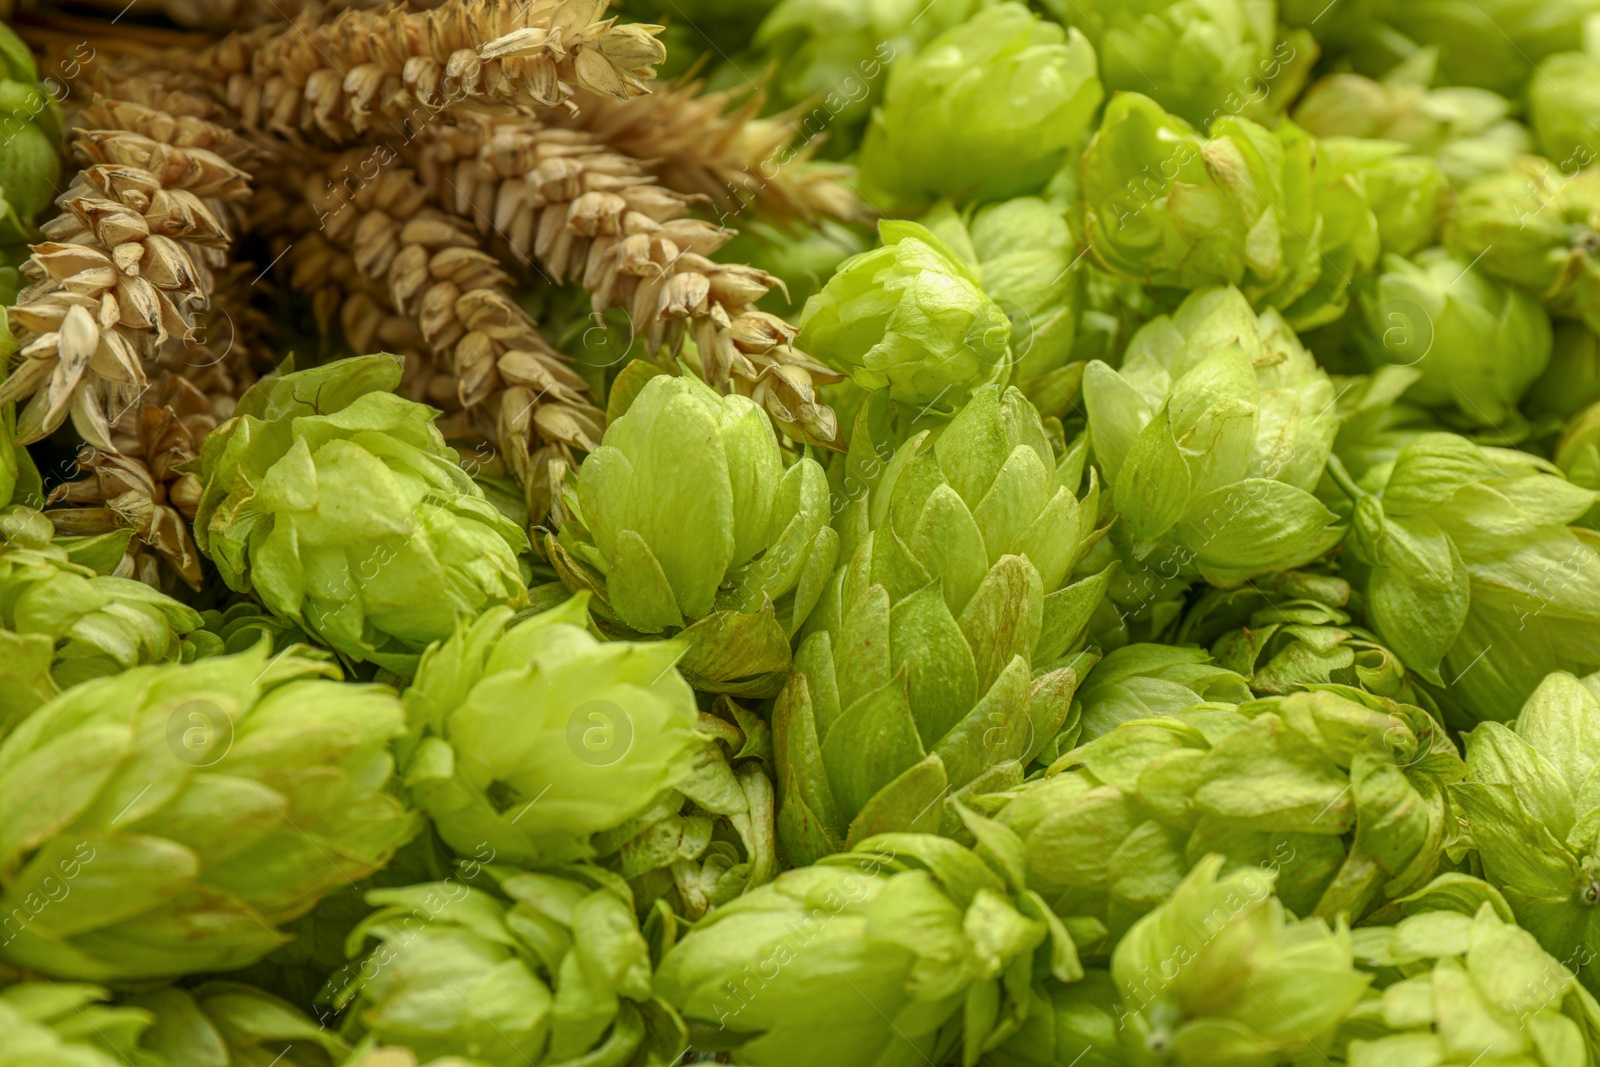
x=1204, y=58
x=1535, y=818
x=64, y=623
x=989, y=109
x=1212, y=436
x=1571, y=382
x=30, y=136
x=1220, y=976
x=1537, y=227
x=1277, y=785
x=229, y=1023
x=165, y=820
x=1457, y=546
x=834, y=55
x=685, y=520
x=1293, y=632
x=1479, y=343
x=1563, y=102
x=339, y=506
x=911, y=317
x=1462, y=983
x=532, y=738
x=1141, y=681
x=1493, y=44
x=544, y=968
x=1467, y=131
x=909, y=949
x=1270, y=212
x=1023, y=252
x=940, y=655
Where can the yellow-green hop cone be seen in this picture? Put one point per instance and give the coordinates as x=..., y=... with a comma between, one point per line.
x=940, y=656
x=1220, y=976
x=909, y=949
x=1563, y=102
x=910, y=317
x=1407, y=193
x=62, y=623
x=1578, y=451
x=340, y=507
x=1479, y=343
x=1198, y=58
x=1455, y=546
x=1533, y=818
x=685, y=522
x=1212, y=435
x=987, y=110
x=1460, y=983
x=532, y=738
x=188, y=810
x=1468, y=132
x=834, y=55
x=1572, y=380
x=1272, y=212
x=541, y=969
x=30, y=136
x=1492, y=43
x=1536, y=226
x=229, y=1023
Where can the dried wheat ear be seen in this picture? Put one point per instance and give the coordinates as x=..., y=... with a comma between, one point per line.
x=561, y=198
x=127, y=266
x=388, y=73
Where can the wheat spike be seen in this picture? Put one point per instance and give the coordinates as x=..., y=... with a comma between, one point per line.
x=144, y=485
x=127, y=266
x=592, y=215
x=391, y=72
x=717, y=146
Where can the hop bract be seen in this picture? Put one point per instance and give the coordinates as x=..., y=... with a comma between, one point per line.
x=533, y=738
x=940, y=653
x=912, y=318
x=1456, y=546
x=1478, y=343
x=1563, y=101
x=1205, y=57
x=535, y=968
x=989, y=109
x=165, y=820
x=1219, y=975
x=866, y=959
x=1536, y=226
x=1212, y=435
x=339, y=505
x=686, y=515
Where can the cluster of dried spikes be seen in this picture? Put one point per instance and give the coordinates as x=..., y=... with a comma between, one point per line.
x=492, y=142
